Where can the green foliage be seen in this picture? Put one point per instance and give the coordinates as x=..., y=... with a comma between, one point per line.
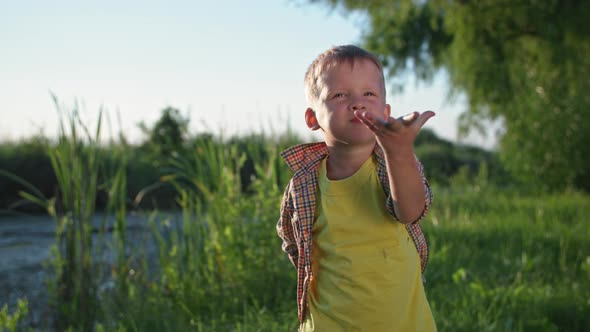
x=166, y=139
x=444, y=161
x=13, y=322
x=75, y=163
x=255, y=148
x=28, y=160
x=168, y=135
x=522, y=62
x=205, y=273
x=506, y=262
x=81, y=174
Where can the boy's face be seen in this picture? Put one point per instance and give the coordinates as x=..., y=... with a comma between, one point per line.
x=344, y=89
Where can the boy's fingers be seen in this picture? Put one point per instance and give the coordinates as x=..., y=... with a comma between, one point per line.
x=414, y=119
x=368, y=120
x=409, y=118
x=391, y=124
x=422, y=118
x=377, y=124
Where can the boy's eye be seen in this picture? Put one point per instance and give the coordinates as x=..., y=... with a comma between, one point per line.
x=369, y=93
x=338, y=95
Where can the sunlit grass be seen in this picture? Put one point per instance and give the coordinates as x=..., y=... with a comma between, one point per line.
x=504, y=262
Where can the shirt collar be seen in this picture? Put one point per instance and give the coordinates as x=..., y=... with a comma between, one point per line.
x=301, y=156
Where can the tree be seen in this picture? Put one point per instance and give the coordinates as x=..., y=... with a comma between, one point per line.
x=524, y=63
x=168, y=135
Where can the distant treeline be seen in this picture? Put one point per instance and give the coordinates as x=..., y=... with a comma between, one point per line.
x=147, y=163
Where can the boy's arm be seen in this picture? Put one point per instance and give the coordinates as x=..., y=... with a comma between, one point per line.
x=406, y=182
x=285, y=228
x=411, y=195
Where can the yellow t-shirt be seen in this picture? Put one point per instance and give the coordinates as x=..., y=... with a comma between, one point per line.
x=366, y=269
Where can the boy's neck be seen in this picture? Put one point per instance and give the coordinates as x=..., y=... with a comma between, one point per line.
x=343, y=162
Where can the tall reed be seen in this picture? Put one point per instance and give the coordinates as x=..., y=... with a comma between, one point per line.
x=219, y=264
x=81, y=174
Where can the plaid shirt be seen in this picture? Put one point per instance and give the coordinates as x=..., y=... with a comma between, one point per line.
x=298, y=211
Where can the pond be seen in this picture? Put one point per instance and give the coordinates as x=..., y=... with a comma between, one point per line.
x=25, y=244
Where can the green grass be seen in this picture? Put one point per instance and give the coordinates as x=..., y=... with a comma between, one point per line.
x=502, y=262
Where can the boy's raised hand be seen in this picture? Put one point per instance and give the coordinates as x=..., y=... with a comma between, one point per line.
x=395, y=135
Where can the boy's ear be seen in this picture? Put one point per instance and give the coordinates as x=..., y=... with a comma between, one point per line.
x=387, y=112
x=311, y=120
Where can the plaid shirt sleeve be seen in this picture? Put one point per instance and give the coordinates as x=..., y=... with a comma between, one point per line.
x=285, y=228
x=427, y=196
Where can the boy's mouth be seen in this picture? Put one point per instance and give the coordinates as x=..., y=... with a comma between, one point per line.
x=355, y=120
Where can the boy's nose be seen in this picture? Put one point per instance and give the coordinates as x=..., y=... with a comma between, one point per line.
x=357, y=104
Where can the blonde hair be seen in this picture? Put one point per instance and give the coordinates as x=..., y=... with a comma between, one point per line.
x=330, y=58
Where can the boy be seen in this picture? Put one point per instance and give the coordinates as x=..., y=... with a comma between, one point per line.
x=349, y=216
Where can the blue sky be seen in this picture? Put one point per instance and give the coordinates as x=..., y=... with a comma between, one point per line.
x=231, y=65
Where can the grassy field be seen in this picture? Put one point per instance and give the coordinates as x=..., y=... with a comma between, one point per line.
x=504, y=262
